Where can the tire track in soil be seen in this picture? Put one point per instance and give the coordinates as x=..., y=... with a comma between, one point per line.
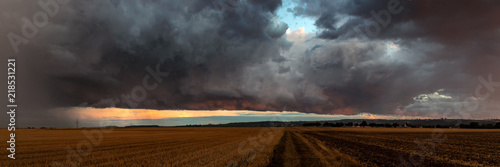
x=296, y=149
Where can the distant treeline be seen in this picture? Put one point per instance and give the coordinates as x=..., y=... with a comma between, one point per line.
x=413, y=123
x=471, y=125
x=430, y=123
x=141, y=126
x=476, y=125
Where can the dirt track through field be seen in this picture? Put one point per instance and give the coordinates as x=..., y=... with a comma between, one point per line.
x=296, y=149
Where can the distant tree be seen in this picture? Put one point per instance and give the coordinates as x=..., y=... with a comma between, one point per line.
x=316, y=124
x=438, y=126
x=464, y=126
x=364, y=124
x=356, y=124
x=349, y=124
x=411, y=125
x=474, y=125
x=489, y=126
x=372, y=124
x=339, y=124
x=326, y=124
x=497, y=125
x=395, y=124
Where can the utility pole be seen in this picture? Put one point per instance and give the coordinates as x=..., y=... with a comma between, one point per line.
x=77, y=123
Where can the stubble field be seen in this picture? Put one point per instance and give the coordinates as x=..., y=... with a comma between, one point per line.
x=259, y=146
x=410, y=147
x=144, y=147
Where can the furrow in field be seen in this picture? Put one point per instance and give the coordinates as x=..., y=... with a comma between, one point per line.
x=296, y=149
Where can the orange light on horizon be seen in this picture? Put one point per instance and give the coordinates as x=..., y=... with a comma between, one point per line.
x=134, y=114
x=130, y=114
x=127, y=114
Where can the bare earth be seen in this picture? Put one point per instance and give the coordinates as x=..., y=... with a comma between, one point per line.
x=259, y=146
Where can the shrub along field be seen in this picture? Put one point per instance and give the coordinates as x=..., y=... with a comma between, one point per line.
x=257, y=146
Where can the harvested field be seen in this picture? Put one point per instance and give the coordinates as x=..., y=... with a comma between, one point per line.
x=412, y=147
x=228, y=146
x=146, y=147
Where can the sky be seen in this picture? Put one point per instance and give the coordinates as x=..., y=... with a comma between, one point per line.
x=182, y=62
x=295, y=22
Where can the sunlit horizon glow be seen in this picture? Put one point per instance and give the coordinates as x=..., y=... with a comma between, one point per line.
x=90, y=113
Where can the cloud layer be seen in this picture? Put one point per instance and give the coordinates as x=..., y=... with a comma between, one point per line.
x=239, y=55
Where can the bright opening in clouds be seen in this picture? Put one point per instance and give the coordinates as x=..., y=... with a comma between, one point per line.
x=285, y=13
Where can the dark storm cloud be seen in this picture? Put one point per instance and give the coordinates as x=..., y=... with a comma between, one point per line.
x=93, y=52
x=444, y=44
x=446, y=21
x=236, y=55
